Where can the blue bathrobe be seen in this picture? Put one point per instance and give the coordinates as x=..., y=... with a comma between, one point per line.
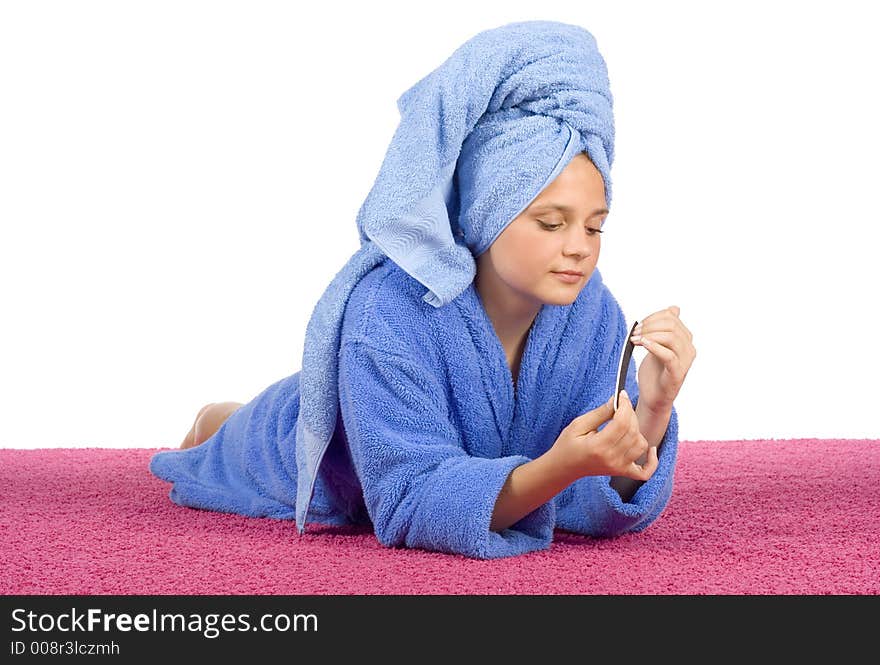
x=430, y=426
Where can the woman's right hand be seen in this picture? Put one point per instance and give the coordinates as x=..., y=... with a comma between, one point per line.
x=585, y=451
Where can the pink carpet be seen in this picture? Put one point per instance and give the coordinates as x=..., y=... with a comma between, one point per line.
x=792, y=516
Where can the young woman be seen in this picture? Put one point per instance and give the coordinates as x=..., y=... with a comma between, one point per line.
x=477, y=417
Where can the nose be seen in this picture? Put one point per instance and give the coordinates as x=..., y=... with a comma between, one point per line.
x=580, y=247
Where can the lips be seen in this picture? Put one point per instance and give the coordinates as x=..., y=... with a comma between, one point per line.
x=569, y=272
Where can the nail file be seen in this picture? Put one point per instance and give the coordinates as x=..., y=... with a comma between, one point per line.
x=624, y=366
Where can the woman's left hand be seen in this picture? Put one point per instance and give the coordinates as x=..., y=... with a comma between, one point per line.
x=670, y=355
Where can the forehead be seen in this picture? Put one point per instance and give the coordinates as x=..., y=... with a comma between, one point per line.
x=578, y=188
x=549, y=204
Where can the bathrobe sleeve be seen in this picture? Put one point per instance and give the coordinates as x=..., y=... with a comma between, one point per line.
x=421, y=489
x=590, y=505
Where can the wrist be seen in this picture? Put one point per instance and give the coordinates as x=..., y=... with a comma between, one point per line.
x=557, y=468
x=655, y=408
x=653, y=423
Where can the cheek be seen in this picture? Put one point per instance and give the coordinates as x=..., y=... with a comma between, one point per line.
x=523, y=256
x=535, y=253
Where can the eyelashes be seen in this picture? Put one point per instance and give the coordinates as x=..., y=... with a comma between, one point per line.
x=553, y=227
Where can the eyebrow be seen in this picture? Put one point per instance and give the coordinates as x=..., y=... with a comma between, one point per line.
x=565, y=208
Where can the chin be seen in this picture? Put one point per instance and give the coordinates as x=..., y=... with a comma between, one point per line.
x=561, y=296
x=561, y=299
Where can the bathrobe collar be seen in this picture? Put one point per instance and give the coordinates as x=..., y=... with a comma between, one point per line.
x=515, y=411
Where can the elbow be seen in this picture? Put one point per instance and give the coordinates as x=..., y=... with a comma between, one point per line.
x=391, y=521
x=387, y=534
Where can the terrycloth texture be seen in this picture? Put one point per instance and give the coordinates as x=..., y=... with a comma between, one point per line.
x=479, y=138
x=433, y=426
x=791, y=516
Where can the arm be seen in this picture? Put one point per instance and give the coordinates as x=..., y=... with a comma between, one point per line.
x=420, y=486
x=527, y=487
x=608, y=506
x=653, y=426
x=542, y=479
x=592, y=506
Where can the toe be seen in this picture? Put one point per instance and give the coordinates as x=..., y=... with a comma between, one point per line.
x=190, y=439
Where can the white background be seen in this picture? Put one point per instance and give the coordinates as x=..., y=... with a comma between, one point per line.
x=179, y=182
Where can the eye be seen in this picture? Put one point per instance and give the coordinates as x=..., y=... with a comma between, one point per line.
x=549, y=227
x=553, y=227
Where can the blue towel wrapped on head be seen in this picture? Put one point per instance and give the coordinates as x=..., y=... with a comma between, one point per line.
x=404, y=415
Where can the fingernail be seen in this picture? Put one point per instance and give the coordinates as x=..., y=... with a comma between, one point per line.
x=623, y=394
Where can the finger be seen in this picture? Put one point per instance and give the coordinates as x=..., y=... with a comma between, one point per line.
x=650, y=466
x=647, y=470
x=661, y=315
x=665, y=319
x=617, y=423
x=625, y=411
x=637, y=472
x=629, y=440
x=637, y=448
x=679, y=324
x=670, y=348
x=589, y=421
x=665, y=346
x=616, y=427
x=668, y=326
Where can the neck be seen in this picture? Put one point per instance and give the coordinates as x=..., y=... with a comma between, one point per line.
x=511, y=313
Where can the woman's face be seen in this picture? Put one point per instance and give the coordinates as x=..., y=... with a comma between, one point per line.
x=542, y=241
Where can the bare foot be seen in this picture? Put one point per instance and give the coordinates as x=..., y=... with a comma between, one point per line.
x=208, y=420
